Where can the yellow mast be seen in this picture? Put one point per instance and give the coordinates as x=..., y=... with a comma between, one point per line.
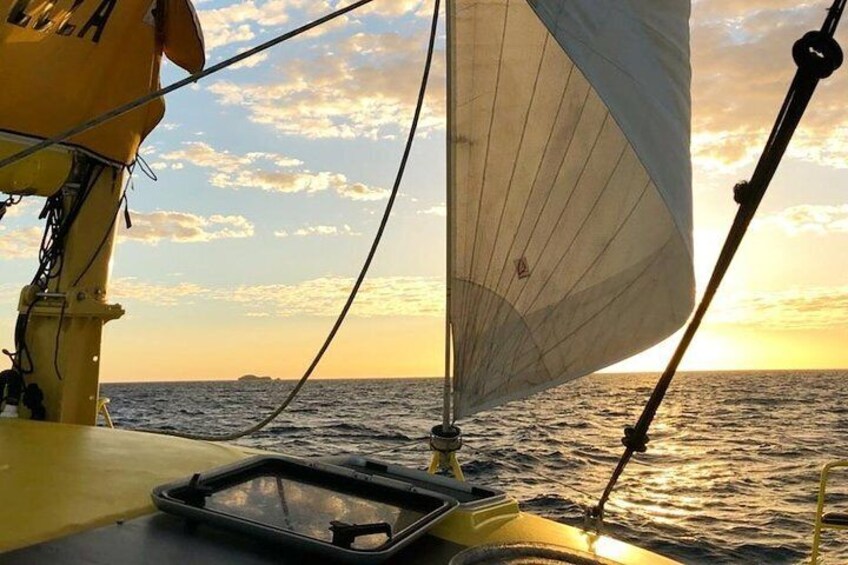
x=67, y=135
x=67, y=330
x=63, y=323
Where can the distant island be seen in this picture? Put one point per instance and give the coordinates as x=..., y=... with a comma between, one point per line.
x=254, y=378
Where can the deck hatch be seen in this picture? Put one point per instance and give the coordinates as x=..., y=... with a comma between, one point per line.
x=309, y=506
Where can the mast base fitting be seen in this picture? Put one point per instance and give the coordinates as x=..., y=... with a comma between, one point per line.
x=443, y=441
x=444, y=444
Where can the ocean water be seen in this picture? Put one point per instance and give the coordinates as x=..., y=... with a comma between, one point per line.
x=731, y=475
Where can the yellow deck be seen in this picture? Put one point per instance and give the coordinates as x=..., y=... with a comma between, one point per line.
x=59, y=479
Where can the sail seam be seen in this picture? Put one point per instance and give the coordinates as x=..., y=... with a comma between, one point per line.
x=495, y=312
x=574, y=188
x=613, y=300
x=551, y=188
x=684, y=230
x=600, y=195
x=498, y=313
x=483, y=304
x=468, y=304
x=580, y=228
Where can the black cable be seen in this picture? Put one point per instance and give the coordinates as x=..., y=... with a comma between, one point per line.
x=122, y=200
x=147, y=98
x=817, y=55
x=362, y=273
x=58, y=338
x=51, y=256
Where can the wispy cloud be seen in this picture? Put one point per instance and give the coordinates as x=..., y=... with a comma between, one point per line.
x=440, y=210
x=794, y=309
x=244, y=21
x=182, y=227
x=19, y=243
x=809, y=218
x=742, y=67
x=381, y=296
x=319, y=231
x=271, y=172
x=129, y=288
x=362, y=87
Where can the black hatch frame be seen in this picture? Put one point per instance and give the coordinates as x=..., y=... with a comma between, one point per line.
x=188, y=498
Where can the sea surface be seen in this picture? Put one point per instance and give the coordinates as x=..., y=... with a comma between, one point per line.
x=731, y=475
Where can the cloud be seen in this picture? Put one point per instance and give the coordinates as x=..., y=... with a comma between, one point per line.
x=241, y=21
x=440, y=210
x=381, y=296
x=25, y=206
x=319, y=231
x=246, y=171
x=794, y=309
x=202, y=154
x=742, y=68
x=130, y=288
x=247, y=20
x=359, y=191
x=810, y=218
x=182, y=227
x=21, y=243
x=397, y=8
x=364, y=86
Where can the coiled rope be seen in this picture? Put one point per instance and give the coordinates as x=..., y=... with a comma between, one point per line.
x=817, y=56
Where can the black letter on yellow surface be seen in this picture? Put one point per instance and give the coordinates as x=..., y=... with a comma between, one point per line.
x=64, y=27
x=98, y=20
x=44, y=23
x=18, y=15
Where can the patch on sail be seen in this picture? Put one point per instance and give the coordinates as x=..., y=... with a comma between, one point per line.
x=521, y=268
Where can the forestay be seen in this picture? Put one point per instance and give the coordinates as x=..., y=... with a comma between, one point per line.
x=569, y=189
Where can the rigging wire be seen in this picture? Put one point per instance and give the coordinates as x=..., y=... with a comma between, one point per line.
x=363, y=272
x=817, y=56
x=147, y=98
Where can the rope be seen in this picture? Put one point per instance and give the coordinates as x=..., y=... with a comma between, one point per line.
x=363, y=272
x=817, y=55
x=147, y=98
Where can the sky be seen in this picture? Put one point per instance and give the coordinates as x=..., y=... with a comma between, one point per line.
x=272, y=178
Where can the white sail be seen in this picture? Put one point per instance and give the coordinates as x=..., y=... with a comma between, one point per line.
x=569, y=189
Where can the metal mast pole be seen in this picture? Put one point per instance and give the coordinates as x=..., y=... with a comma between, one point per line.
x=446, y=409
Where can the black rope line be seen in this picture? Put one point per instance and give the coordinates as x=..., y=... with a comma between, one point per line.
x=817, y=56
x=363, y=272
x=56, y=343
x=147, y=98
x=108, y=232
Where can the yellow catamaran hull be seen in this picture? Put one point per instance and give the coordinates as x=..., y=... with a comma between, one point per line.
x=64, y=480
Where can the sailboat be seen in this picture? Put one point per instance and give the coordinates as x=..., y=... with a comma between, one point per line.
x=569, y=218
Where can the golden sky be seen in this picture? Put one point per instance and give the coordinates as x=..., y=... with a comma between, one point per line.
x=273, y=176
